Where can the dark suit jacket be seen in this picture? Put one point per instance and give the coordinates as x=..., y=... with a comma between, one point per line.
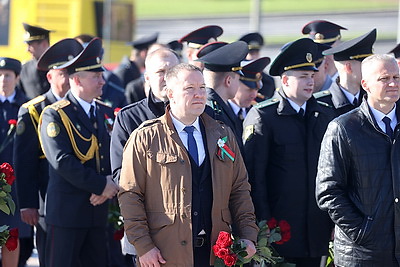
x=72, y=182
x=33, y=82
x=30, y=165
x=127, y=71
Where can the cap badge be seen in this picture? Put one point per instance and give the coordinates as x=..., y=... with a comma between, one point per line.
x=98, y=60
x=70, y=57
x=2, y=63
x=309, y=57
x=319, y=36
x=258, y=75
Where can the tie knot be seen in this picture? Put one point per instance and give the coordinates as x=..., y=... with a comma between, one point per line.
x=386, y=120
x=301, y=111
x=355, y=101
x=189, y=129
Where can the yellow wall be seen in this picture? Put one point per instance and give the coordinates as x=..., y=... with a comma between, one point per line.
x=67, y=18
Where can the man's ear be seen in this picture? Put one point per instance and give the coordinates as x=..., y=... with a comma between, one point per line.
x=364, y=85
x=285, y=79
x=227, y=80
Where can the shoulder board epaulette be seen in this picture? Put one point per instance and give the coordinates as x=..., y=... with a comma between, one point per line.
x=60, y=104
x=98, y=101
x=321, y=94
x=34, y=101
x=324, y=104
x=267, y=102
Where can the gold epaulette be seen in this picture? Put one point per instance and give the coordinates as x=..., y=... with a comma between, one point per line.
x=267, y=102
x=321, y=94
x=34, y=101
x=60, y=104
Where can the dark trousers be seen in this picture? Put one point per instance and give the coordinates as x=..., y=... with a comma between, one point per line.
x=76, y=247
x=202, y=255
x=41, y=244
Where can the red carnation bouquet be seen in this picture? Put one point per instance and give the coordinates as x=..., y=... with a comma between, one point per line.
x=9, y=238
x=231, y=251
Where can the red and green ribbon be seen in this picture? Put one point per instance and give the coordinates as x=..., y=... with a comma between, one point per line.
x=224, y=149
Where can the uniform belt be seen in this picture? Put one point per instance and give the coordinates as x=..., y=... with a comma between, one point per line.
x=199, y=241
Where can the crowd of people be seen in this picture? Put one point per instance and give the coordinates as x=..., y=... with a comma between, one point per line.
x=192, y=138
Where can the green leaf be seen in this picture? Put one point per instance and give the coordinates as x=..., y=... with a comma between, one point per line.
x=3, y=194
x=11, y=204
x=219, y=262
x=265, y=252
x=262, y=242
x=275, y=237
x=3, y=228
x=7, y=188
x=5, y=208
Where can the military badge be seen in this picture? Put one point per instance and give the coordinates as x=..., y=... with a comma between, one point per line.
x=20, y=127
x=309, y=57
x=108, y=122
x=53, y=129
x=248, y=132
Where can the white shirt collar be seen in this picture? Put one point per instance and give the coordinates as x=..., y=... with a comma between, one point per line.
x=234, y=107
x=297, y=107
x=85, y=105
x=56, y=95
x=10, y=98
x=350, y=96
x=379, y=115
x=179, y=126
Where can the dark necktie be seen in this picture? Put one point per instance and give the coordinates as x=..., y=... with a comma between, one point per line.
x=301, y=112
x=92, y=117
x=192, y=146
x=6, y=109
x=355, y=102
x=240, y=114
x=389, y=130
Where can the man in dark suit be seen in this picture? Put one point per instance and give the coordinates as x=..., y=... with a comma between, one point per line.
x=346, y=93
x=221, y=75
x=30, y=165
x=256, y=42
x=132, y=67
x=33, y=82
x=282, y=139
x=75, y=137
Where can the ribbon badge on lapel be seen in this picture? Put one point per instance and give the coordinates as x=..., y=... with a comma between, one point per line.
x=108, y=122
x=224, y=150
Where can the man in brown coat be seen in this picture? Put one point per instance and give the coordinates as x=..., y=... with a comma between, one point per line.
x=177, y=191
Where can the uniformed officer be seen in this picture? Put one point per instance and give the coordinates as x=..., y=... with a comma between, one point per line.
x=250, y=84
x=33, y=82
x=196, y=39
x=113, y=91
x=10, y=101
x=325, y=32
x=132, y=67
x=346, y=94
x=75, y=137
x=322, y=80
x=221, y=75
x=30, y=165
x=256, y=42
x=282, y=140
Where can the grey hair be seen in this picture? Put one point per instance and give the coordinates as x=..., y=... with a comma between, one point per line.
x=173, y=72
x=373, y=59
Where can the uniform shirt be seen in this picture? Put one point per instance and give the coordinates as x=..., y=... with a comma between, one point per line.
x=9, y=98
x=379, y=116
x=350, y=96
x=85, y=105
x=236, y=109
x=179, y=126
x=297, y=107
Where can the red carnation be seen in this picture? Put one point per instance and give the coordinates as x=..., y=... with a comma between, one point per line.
x=116, y=110
x=118, y=234
x=272, y=223
x=284, y=225
x=222, y=253
x=230, y=259
x=12, y=241
x=12, y=122
x=8, y=171
x=224, y=240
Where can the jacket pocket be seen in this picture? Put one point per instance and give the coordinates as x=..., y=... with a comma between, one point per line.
x=363, y=233
x=159, y=220
x=162, y=158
